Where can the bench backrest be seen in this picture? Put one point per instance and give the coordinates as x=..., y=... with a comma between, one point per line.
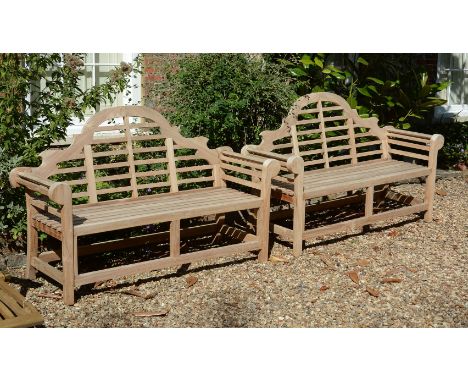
x=324, y=130
x=127, y=152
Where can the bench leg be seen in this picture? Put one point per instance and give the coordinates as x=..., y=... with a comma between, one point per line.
x=69, y=253
x=369, y=207
x=32, y=251
x=429, y=195
x=263, y=234
x=32, y=241
x=174, y=238
x=298, y=226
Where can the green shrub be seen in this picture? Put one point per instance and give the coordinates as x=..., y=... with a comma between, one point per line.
x=454, y=153
x=39, y=96
x=391, y=87
x=228, y=98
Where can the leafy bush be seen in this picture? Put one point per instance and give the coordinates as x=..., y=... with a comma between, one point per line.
x=390, y=87
x=454, y=153
x=228, y=98
x=39, y=96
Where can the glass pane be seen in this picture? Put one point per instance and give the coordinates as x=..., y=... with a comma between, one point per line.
x=109, y=58
x=456, y=87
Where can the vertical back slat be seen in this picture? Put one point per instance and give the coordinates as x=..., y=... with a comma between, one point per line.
x=130, y=158
x=323, y=135
x=89, y=164
x=171, y=164
x=295, y=141
x=352, y=140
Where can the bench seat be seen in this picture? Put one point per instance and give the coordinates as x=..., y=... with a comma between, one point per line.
x=339, y=179
x=102, y=217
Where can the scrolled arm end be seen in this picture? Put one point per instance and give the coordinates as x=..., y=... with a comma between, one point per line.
x=295, y=164
x=13, y=176
x=437, y=141
x=60, y=192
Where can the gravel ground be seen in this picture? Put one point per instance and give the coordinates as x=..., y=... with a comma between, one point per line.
x=407, y=273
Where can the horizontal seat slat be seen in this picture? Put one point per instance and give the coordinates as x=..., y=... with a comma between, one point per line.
x=183, y=204
x=340, y=179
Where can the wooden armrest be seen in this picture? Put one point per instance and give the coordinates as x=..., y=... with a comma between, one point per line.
x=435, y=141
x=260, y=170
x=59, y=192
x=259, y=161
x=292, y=163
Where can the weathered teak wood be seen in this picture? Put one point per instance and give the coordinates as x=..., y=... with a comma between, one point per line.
x=145, y=173
x=334, y=150
x=15, y=311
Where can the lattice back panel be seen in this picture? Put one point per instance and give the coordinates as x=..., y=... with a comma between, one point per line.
x=326, y=132
x=126, y=157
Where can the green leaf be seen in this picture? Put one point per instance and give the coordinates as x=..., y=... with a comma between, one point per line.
x=364, y=92
x=326, y=71
x=318, y=62
x=352, y=102
x=306, y=61
x=298, y=72
x=376, y=80
x=406, y=126
x=361, y=60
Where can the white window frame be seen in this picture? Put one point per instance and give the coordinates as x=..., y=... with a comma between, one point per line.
x=451, y=112
x=132, y=98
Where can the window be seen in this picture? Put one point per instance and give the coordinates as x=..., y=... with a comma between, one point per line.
x=453, y=67
x=96, y=71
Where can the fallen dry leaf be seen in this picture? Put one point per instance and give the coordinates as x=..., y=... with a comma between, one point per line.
x=363, y=262
x=412, y=270
x=392, y=280
x=441, y=192
x=327, y=261
x=191, y=280
x=156, y=313
x=137, y=293
x=50, y=295
x=393, y=233
x=372, y=292
x=353, y=275
x=278, y=259
x=323, y=288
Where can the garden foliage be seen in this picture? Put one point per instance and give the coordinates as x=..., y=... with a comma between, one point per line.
x=228, y=98
x=39, y=97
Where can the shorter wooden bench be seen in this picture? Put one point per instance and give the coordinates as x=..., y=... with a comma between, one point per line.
x=145, y=173
x=327, y=151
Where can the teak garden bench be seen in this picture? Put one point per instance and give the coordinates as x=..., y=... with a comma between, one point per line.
x=325, y=148
x=144, y=173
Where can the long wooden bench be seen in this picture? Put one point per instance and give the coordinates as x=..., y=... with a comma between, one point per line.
x=325, y=148
x=145, y=173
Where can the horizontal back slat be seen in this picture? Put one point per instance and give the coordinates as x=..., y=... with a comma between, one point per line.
x=124, y=152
